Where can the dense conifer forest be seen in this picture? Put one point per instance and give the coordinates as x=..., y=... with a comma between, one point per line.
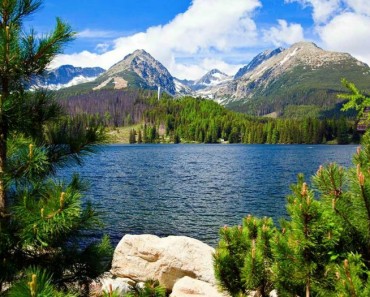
x=199, y=120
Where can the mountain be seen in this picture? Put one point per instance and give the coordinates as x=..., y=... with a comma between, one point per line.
x=138, y=70
x=183, y=87
x=303, y=74
x=286, y=82
x=258, y=60
x=66, y=76
x=212, y=78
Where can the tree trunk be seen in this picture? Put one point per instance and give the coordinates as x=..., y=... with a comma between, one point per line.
x=5, y=92
x=3, y=149
x=308, y=287
x=2, y=172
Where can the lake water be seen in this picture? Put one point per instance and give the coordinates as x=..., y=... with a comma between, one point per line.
x=193, y=190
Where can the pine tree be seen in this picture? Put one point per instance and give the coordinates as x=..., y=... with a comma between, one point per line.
x=322, y=249
x=140, y=138
x=243, y=257
x=132, y=136
x=302, y=249
x=42, y=218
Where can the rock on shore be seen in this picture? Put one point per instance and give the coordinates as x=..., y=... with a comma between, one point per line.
x=142, y=257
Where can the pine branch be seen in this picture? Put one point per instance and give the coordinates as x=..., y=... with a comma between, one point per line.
x=47, y=48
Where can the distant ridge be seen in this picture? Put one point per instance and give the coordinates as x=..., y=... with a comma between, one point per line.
x=301, y=75
x=66, y=76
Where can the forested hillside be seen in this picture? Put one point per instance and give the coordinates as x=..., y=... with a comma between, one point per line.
x=202, y=120
x=199, y=120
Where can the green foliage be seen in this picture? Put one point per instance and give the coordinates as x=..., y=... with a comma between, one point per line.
x=353, y=277
x=243, y=257
x=356, y=99
x=42, y=219
x=301, y=111
x=199, y=120
x=322, y=249
x=302, y=249
x=132, y=136
x=36, y=283
x=151, y=288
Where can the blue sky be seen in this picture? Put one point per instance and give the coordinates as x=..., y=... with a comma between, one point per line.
x=192, y=37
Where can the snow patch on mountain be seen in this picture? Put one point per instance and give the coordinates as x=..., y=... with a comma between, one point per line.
x=288, y=56
x=75, y=81
x=212, y=78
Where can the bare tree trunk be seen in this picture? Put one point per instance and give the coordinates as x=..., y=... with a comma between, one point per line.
x=308, y=284
x=2, y=173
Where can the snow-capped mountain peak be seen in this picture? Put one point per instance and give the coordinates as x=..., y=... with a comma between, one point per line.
x=66, y=76
x=211, y=78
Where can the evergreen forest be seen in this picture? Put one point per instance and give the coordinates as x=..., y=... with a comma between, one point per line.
x=188, y=119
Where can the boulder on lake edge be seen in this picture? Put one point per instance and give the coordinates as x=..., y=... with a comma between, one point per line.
x=190, y=287
x=168, y=259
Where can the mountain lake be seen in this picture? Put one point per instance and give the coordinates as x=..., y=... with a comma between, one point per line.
x=193, y=190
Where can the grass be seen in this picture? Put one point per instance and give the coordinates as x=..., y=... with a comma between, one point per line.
x=121, y=134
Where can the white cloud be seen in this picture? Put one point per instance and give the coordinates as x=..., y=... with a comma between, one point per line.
x=197, y=70
x=207, y=24
x=359, y=6
x=348, y=32
x=89, y=33
x=284, y=34
x=102, y=47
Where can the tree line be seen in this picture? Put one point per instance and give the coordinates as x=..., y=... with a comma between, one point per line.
x=199, y=120
x=191, y=119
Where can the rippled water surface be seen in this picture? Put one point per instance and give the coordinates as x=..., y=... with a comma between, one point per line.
x=193, y=190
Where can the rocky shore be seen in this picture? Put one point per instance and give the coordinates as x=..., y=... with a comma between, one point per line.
x=181, y=264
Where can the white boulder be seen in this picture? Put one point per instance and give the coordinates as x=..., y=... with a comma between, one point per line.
x=190, y=287
x=142, y=257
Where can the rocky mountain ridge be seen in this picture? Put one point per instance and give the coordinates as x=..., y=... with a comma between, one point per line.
x=140, y=66
x=303, y=74
x=66, y=76
x=258, y=60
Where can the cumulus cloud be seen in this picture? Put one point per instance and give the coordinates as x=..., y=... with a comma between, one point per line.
x=359, y=6
x=284, y=34
x=207, y=25
x=348, y=32
x=204, y=66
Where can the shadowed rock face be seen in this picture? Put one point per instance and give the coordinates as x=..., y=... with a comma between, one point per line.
x=142, y=257
x=257, y=60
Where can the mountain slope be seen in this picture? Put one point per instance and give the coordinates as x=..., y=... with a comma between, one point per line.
x=66, y=76
x=303, y=74
x=139, y=70
x=211, y=78
x=258, y=60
